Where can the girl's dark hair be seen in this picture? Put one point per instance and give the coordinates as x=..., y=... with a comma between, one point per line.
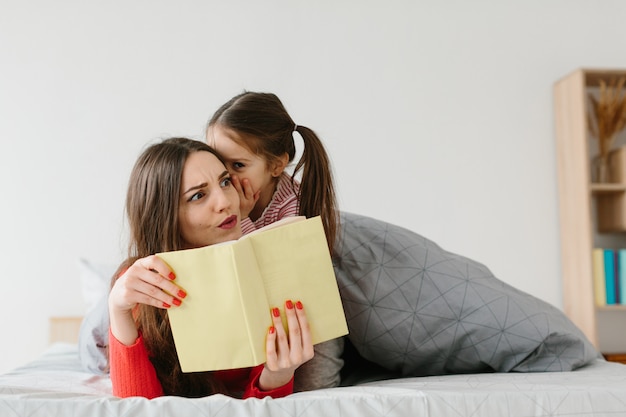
x=152, y=203
x=267, y=130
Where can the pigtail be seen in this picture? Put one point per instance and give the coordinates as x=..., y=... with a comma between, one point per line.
x=265, y=128
x=317, y=191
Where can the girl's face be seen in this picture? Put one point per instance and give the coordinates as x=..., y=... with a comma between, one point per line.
x=209, y=204
x=243, y=163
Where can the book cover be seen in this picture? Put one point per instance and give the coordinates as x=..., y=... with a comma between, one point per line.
x=616, y=267
x=622, y=276
x=609, y=275
x=599, y=286
x=223, y=321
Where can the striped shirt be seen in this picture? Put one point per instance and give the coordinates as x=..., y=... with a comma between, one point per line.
x=284, y=203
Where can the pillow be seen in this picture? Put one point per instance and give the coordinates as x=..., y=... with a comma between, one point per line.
x=95, y=280
x=93, y=336
x=415, y=309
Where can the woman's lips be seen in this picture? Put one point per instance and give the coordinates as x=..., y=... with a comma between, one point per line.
x=229, y=223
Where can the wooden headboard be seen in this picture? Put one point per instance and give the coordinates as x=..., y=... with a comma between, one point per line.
x=64, y=329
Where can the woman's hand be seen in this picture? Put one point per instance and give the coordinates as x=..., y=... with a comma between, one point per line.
x=247, y=196
x=147, y=281
x=285, y=353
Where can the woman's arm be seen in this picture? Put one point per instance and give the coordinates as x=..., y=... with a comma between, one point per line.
x=132, y=373
x=285, y=353
x=147, y=281
x=253, y=390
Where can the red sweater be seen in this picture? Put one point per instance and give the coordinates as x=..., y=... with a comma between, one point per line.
x=133, y=375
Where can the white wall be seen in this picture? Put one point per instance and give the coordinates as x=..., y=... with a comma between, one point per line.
x=438, y=117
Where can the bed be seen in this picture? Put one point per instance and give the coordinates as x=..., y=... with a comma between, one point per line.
x=57, y=385
x=432, y=333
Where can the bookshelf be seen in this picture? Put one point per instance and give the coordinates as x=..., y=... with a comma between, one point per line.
x=580, y=203
x=608, y=188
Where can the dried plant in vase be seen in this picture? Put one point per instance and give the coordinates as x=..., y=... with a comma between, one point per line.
x=608, y=112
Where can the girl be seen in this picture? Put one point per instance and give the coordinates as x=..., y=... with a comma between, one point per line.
x=254, y=134
x=180, y=196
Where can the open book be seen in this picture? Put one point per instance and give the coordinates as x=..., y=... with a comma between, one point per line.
x=223, y=322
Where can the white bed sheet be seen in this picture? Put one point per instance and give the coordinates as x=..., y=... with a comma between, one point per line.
x=55, y=385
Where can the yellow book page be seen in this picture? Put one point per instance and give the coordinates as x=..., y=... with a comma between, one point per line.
x=295, y=263
x=599, y=283
x=222, y=322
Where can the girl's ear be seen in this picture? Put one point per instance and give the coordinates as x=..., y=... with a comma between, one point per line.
x=279, y=165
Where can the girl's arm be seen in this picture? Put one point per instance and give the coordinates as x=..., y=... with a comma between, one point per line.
x=276, y=210
x=324, y=370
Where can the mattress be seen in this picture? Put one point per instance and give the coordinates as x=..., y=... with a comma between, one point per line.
x=56, y=385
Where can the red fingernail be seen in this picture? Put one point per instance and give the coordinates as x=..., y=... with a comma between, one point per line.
x=276, y=312
x=299, y=305
x=172, y=276
x=289, y=304
x=176, y=302
x=181, y=294
x=166, y=305
x=272, y=329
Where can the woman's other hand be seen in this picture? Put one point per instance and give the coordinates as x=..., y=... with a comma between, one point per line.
x=286, y=352
x=147, y=281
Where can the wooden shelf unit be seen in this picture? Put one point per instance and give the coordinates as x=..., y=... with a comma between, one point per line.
x=577, y=202
x=608, y=188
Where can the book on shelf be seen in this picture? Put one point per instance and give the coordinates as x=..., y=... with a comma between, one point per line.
x=622, y=276
x=609, y=275
x=231, y=286
x=617, y=268
x=599, y=285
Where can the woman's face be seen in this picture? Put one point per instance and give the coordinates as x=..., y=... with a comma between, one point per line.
x=209, y=204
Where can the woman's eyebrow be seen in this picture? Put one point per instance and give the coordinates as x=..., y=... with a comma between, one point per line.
x=204, y=184
x=195, y=187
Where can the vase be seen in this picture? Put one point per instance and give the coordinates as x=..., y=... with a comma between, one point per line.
x=601, y=168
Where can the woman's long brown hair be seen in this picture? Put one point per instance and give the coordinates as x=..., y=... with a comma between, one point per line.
x=267, y=129
x=152, y=203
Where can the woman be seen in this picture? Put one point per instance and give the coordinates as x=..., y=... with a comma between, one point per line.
x=180, y=196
